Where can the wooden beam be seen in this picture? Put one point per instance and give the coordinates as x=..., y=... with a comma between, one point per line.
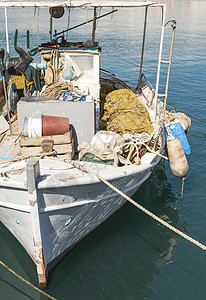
x=36, y=141
x=60, y=149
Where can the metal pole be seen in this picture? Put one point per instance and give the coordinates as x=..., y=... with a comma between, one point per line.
x=84, y=23
x=50, y=31
x=24, y=84
x=170, y=63
x=94, y=24
x=7, y=105
x=160, y=58
x=6, y=28
x=142, y=54
x=2, y=72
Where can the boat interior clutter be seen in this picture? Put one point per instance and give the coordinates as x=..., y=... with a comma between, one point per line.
x=62, y=102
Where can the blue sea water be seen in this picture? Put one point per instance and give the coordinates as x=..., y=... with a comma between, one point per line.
x=131, y=256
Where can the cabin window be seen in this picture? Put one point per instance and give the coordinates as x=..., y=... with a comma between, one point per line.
x=85, y=63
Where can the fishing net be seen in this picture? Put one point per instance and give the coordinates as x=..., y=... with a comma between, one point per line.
x=18, y=80
x=124, y=113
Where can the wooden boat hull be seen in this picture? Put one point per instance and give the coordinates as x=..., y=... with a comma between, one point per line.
x=69, y=206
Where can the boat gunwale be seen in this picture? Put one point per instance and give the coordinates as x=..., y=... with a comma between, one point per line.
x=76, y=4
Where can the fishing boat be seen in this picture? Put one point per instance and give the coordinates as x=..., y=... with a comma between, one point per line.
x=58, y=138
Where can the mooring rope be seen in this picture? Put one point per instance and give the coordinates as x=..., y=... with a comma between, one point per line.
x=172, y=228
x=185, y=236
x=23, y=157
x=27, y=282
x=186, y=114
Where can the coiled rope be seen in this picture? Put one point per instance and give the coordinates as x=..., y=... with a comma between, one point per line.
x=27, y=282
x=57, y=88
x=182, y=234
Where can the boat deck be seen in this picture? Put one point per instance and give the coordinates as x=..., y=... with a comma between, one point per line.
x=9, y=147
x=9, y=144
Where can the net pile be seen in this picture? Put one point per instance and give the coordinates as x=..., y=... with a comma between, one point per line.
x=124, y=113
x=18, y=80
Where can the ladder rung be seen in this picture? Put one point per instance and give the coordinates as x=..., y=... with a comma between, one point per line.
x=165, y=62
x=161, y=95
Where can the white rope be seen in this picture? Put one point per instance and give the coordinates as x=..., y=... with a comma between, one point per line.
x=182, y=234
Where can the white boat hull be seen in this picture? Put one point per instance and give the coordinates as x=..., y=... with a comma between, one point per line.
x=69, y=206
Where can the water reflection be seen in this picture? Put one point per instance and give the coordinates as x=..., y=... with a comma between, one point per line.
x=118, y=260
x=121, y=257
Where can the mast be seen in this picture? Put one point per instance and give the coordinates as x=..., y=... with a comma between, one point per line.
x=6, y=28
x=142, y=54
x=160, y=58
x=94, y=24
x=50, y=30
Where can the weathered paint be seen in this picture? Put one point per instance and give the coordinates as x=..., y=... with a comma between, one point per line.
x=33, y=172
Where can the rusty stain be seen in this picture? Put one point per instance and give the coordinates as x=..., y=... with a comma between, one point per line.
x=42, y=280
x=66, y=179
x=32, y=203
x=37, y=244
x=60, y=169
x=42, y=275
x=39, y=260
x=16, y=172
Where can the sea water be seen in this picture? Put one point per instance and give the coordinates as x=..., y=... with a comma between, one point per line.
x=130, y=256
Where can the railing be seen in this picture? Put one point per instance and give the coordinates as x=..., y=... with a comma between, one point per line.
x=146, y=80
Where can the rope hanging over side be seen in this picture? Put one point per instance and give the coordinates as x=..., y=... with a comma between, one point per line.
x=182, y=234
x=187, y=114
x=27, y=282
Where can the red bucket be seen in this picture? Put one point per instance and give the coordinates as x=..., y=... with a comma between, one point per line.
x=54, y=125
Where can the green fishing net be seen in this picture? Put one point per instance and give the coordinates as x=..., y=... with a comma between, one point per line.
x=124, y=113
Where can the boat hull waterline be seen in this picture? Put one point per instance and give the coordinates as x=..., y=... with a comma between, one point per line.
x=67, y=210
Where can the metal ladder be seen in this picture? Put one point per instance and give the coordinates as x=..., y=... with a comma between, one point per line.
x=168, y=62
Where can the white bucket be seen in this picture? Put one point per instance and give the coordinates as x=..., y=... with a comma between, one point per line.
x=32, y=127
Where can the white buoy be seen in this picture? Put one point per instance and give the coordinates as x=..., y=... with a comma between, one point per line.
x=177, y=158
x=183, y=119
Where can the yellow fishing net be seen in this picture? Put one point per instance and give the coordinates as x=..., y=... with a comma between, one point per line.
x=124, y=113
x=18, y=80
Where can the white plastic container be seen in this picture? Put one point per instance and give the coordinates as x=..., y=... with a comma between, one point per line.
x=32, y=127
